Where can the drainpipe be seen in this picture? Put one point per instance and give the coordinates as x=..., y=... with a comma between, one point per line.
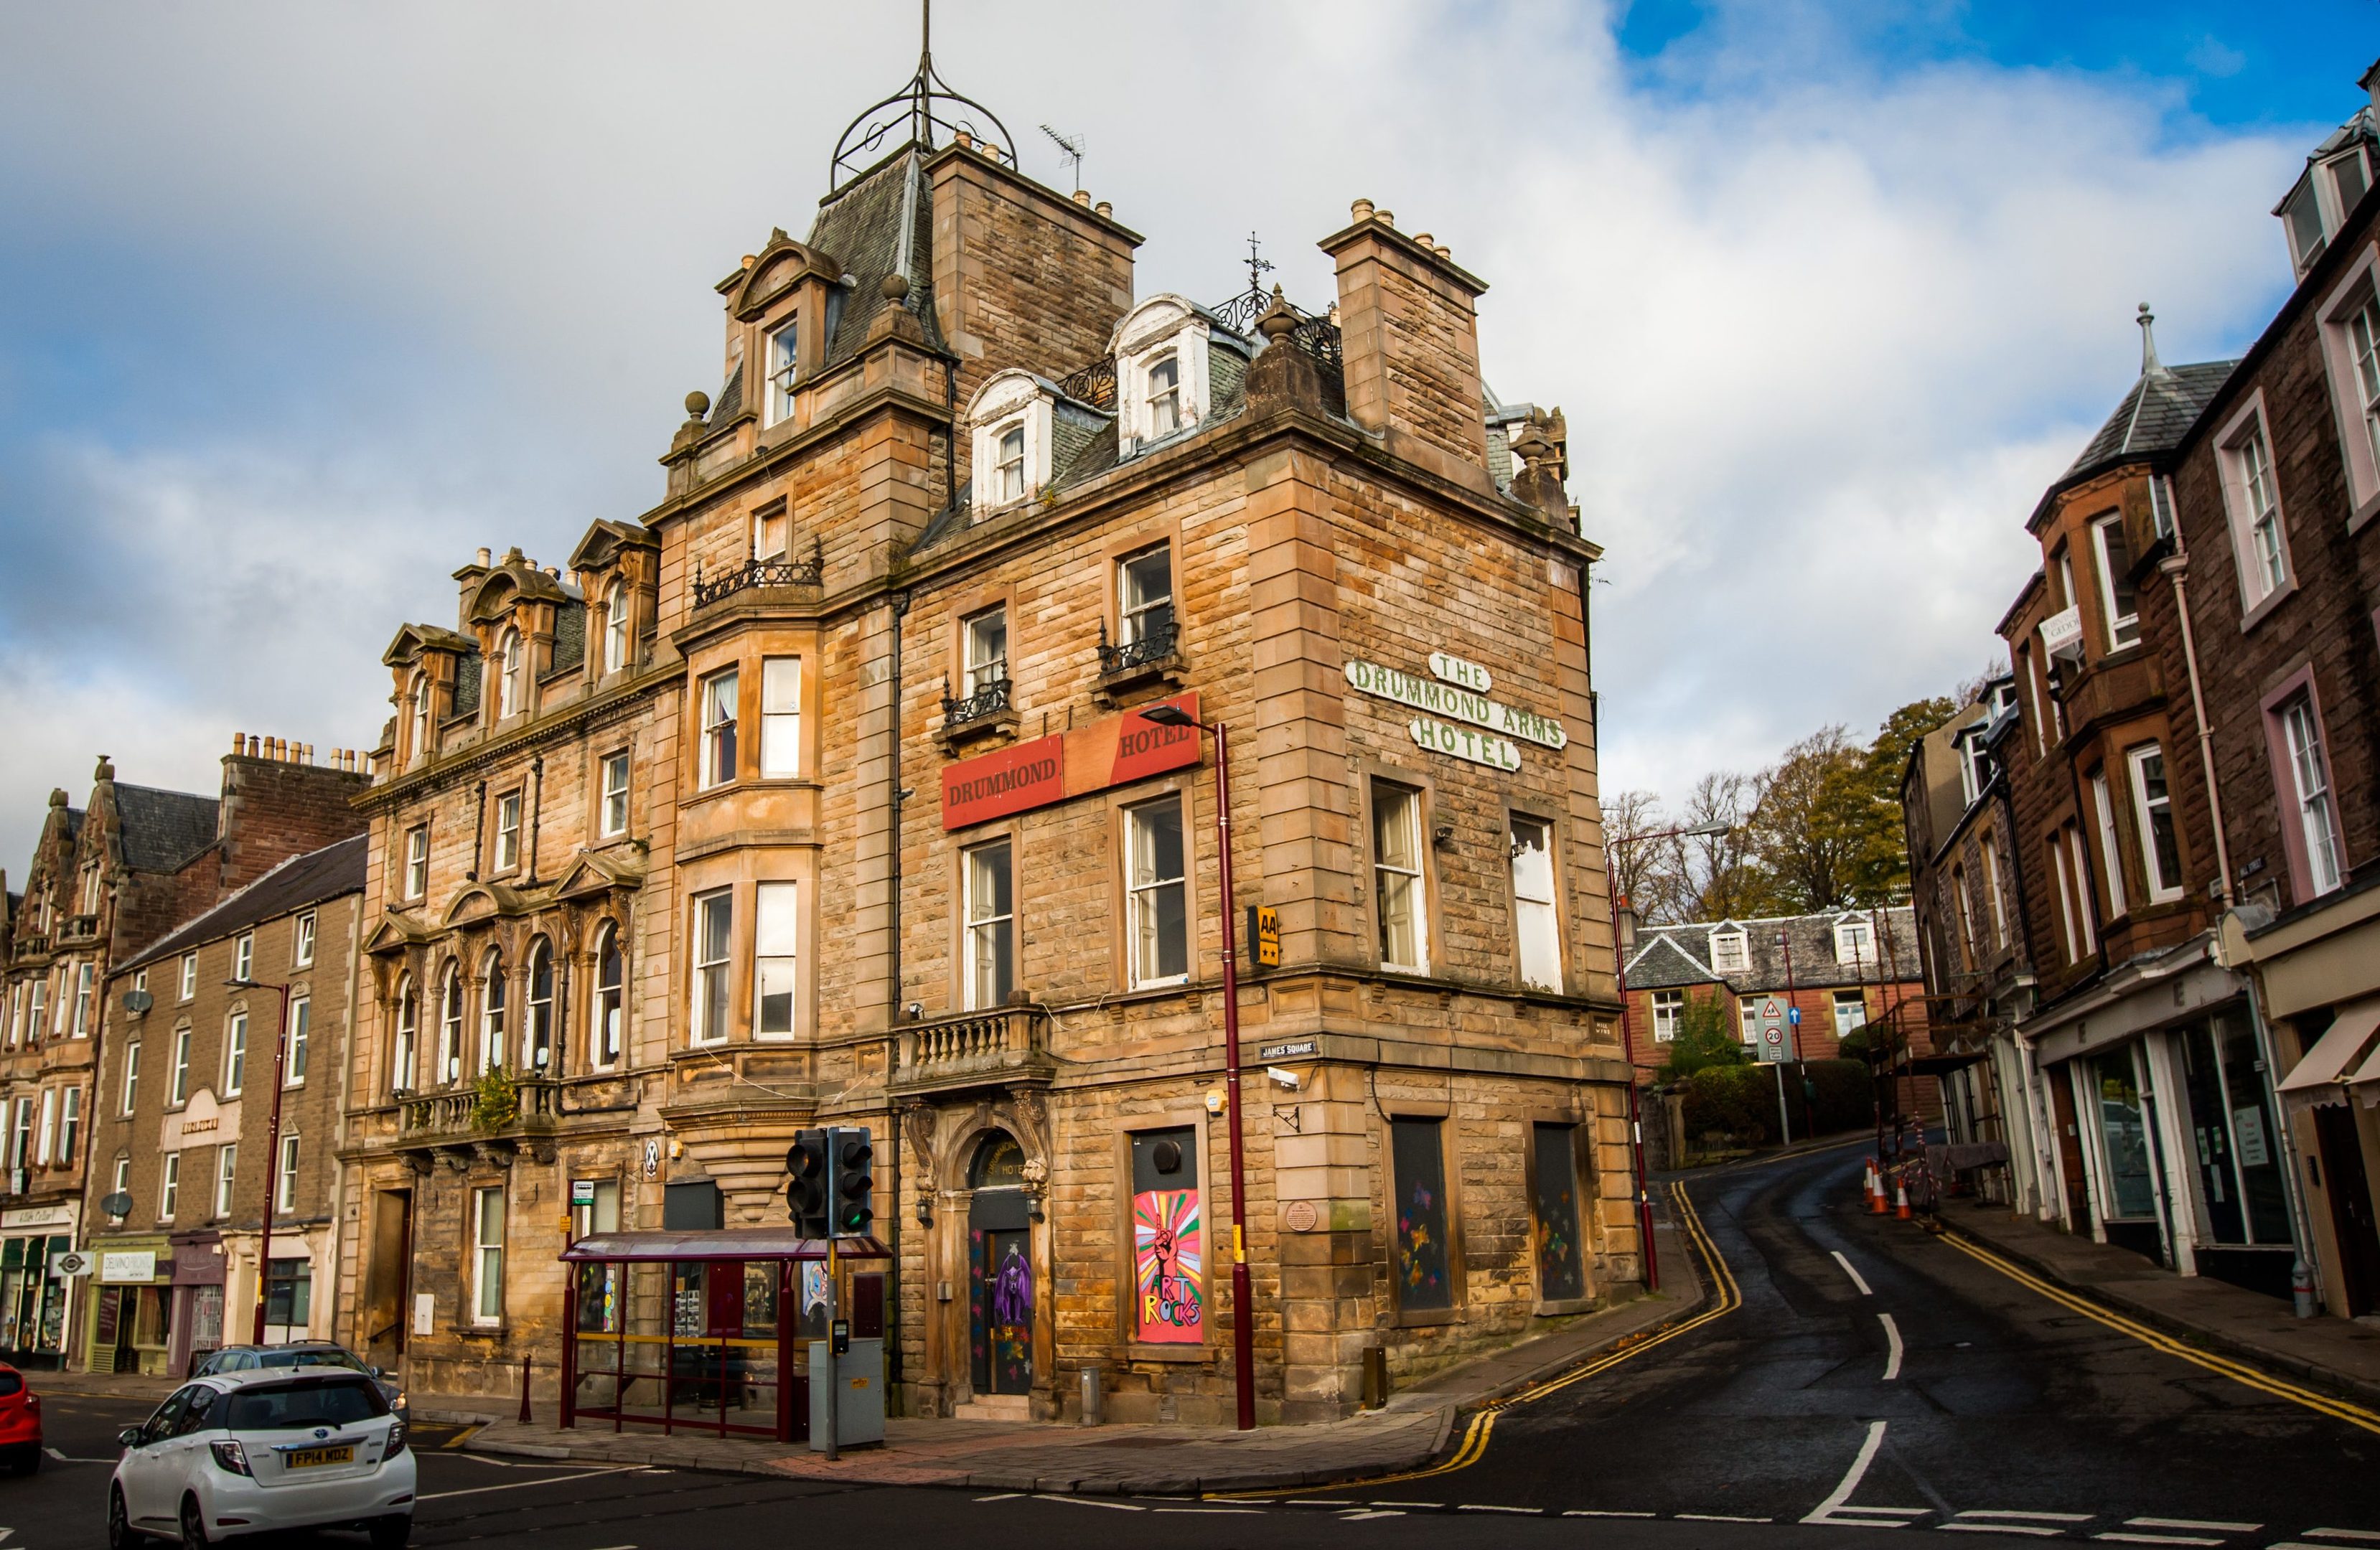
x=2176, y=567
x=891, y=1151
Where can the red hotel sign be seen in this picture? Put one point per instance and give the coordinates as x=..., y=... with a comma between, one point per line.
x=1107, y=753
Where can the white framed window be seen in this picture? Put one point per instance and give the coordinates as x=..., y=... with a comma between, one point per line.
x=2361, y=330
x=450, y=1025
x=121, y=1182
x=2118, y=603
x=1157, y=893
x=284, y=1186
x=169, y=1187
x=131, y=1076
x=772, y=532
x=1164, y=396
x=616, y=626
x=614, y=821
x=611, y=985
x=718, y=711
x=776, y=955
x=40, y=1009
x=301, y=951
x=1145, y=594
x=512, y=682
x=537, y=1036
x=81, y=1026
x=1731, y=952
x=417, y=864
x=1400, y=891
x=20, y=1144
x=2153, y=810
x=49, y=1132
x=492, y=993
x=235, y=1077
x=2161, y=518
x=784, y=368
x=1536, y=913
x=301, y=1027
x=69, y=1123
x=1008, y=464
x=65, y=1002
x=986, y=649
x=408, y=1036
x=2253, y=503
x=1992, y=893
x=714, y=933
x=1966, y=916
x=991, y=907
x=243, y=957
x=2085, y=915
x=508, y=831
x=90, y=904
x=488, y=1255
x=226, y=1176
x=781, y=717
x=2065, y=899
x=2310, y=781
x=417, y=706
x=1748, y=1018
x=1850, y=1012
x=1669, y=1014
x=16, y=1012
x=1855, y=943
x=2112, y=850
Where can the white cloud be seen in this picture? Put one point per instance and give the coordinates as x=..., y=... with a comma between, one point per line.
x=1822, y=334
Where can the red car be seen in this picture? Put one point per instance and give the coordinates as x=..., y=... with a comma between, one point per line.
x=21, y=1421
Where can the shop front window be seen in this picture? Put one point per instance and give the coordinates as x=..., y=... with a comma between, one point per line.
x=2232, y=1135
x=2123, y=1130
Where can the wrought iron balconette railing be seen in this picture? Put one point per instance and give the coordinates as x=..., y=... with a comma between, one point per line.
x=1094, y=384
x=1156, y=645
x=763, y=572
x=989, y=700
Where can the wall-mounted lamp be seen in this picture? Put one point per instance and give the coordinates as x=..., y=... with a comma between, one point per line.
x=925, y=1211
x=1443, y=839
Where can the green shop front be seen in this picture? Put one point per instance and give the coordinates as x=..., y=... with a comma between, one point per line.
x=34, y=1289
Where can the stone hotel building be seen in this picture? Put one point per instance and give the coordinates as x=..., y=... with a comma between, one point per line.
x=823, y=793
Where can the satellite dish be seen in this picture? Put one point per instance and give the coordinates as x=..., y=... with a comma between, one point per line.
x=137, y=1002
x=118, y=1204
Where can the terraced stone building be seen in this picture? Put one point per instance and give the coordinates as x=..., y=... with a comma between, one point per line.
x=824, y=791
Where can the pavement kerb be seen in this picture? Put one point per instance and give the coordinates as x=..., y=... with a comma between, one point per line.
x=2346, y=1384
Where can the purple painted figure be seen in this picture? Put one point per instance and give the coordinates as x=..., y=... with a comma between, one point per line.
x=1012, y=1293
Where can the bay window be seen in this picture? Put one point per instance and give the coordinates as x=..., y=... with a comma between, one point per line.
x=714, y=921
x=776, y=954
x=2116, y=600
x=719, y=709
x=781, y=717
x=2111, y=853
x=2153, y=810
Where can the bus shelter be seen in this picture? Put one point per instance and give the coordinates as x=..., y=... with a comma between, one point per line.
x=702, y=1331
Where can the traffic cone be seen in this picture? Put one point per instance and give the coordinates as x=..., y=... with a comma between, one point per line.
x=1875, y=1206
x=1901, y=1209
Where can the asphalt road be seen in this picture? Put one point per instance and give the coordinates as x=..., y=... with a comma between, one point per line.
x=1781, y=1419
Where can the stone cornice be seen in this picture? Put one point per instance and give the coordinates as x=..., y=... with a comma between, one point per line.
x=586, y=714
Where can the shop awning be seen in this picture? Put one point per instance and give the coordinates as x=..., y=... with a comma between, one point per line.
x=733, y=1243
x=2321, y=1077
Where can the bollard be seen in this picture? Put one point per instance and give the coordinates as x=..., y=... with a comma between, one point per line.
x=523, y=1413
x=1375, y=1377
x=1091, y=1394
x=2302, y=1288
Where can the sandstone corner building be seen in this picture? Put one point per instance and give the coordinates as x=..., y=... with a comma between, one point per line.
x=823, y=794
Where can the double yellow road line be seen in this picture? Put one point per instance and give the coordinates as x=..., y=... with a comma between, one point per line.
x=2338, y=1410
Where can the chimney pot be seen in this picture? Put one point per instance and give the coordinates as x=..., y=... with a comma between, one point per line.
x=238, y=744
x=1422, y=237
x=1107, y=211
x=1445, y=252
x=1359, y=212
x=1386, y=218
x=1082, y=196
x=255, y=746
x=483, y=556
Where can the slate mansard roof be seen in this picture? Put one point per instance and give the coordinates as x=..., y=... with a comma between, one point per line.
x=2154, y=416
x=333, y=870
x=1670, y=957
x=161, y=829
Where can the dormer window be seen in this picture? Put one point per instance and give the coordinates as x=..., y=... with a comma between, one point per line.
x=1164, y=396
x=2320, y=204
x=512, y=686
x=1855, y=943
x=418, y=699
x=1728, y=952
x=1010, y=468
x=615, y=627
x=785, y=356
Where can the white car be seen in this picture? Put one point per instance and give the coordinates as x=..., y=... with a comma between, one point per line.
x=261, y=1451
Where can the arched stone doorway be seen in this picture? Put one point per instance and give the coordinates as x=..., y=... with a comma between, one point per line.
x=1001, y=1294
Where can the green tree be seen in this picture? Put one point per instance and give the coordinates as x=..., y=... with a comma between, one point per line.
x=1706, y=1037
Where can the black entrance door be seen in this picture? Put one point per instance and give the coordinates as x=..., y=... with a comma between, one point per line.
x=2351, y=1208
x=1000, y=1292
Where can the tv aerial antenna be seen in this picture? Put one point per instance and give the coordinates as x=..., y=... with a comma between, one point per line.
x=1072, y=149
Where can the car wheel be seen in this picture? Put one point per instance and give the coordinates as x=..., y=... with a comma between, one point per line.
x=29, y=1461
x=389, y=1533
x=194, y=1523
x=120, y=1534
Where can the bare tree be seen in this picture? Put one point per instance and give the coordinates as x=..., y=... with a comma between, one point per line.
x=1714, y=873
x=1628, y=817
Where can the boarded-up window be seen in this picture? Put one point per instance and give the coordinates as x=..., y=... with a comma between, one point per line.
x=1562, y=1271
x=1169, y=1262
x=1425, y=1273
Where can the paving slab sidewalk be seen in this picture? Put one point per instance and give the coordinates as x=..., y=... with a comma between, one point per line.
x=1411, y=1429
x=2342, y=1355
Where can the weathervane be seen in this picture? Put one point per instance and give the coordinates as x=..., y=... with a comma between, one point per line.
x=915, y=105
x=1257, y=267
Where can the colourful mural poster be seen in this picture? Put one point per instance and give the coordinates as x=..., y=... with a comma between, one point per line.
x=1169, y=1268
x=1425, y=1278
x=1561, y=1272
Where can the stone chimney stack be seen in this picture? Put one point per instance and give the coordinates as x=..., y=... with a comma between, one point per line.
x=278, y=802
x=1411, y=337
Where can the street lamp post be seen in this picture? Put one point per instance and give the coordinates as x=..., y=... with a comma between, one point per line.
x=1628, y=1049
x=271, y=1149
x=1243, y=1298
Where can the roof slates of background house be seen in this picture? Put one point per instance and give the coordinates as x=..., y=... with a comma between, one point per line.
x=1670, y=956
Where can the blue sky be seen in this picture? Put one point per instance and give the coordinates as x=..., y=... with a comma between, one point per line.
x=301, y=302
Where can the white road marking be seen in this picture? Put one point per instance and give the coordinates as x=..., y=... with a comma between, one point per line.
x=2034, y=1529
x=68, y=1458
x=2365, y=1535
x=524, y=1484
x=1524, y=1511
x=1857, y=1280
x=1200, y=1509
x=1093, y=1501
x=2192, y=1523
x=1850, y=1483
x=1585, y=1512
x=1003, y=1496
x=1892, y=1349
x=1889, y=1511
x=2155, y=1539
x=1312, y=1501
x=2037, y=1517
x=1427, y=1506
x=1719, y=1518
x=1362, y=1514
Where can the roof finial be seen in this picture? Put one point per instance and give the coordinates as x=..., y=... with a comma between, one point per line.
x=2150, y=365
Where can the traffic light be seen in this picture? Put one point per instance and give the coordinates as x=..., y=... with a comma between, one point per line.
x=806, y=1196
x=854, y=1190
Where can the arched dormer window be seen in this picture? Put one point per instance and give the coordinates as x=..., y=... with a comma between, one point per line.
x=1162, y=398
x=418, y=711
x=450, y=1025
x=491, y=1011
x=512, y=686
x=1011, y=423
x=537, y=1042
x=615, y=627
x=606, y=1034
x=408, y=1026
x=1008, y=469
x=1164, y=349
